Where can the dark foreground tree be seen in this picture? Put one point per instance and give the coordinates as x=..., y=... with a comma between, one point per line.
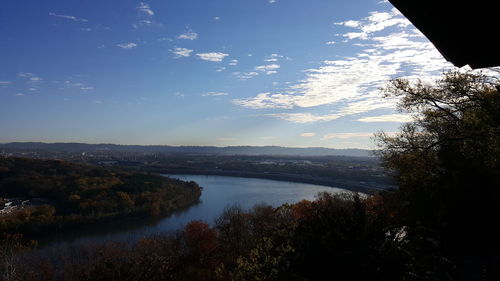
x=447, y=163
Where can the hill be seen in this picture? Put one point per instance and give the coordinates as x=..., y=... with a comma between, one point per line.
x=228, y=150
x=37, y=195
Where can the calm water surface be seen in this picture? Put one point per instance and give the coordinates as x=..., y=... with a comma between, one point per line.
x=218, y=193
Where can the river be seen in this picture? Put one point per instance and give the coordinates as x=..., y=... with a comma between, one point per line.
x=218, y=193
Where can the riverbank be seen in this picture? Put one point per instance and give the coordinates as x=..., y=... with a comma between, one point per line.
x=364, y=187
x=46, y=196
x=219, y=193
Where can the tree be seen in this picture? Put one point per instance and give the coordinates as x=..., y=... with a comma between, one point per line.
x=447, y=160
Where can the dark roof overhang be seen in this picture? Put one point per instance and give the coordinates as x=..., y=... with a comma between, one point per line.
x=465, y=32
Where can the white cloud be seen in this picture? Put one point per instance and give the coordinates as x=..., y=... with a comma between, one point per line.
x=308, y=135
x=346, y=135
x=127, y=45
x=349, y=85
x=181, y=52
x=179, y=94
x=214, y=56
x=233, y=62
x=73, y=18
x=268, y=67
x=303, y=118
x=377, y=21
x=86, y=29
x=25, y=74
x=271, y=72
x=245, y=75
x=145, y=9
x=87, y=88
x=20, y=94
x=214, y=94
x=273, y=58
x=31, y=77
x=216, y=18
x=349, y=23
x=400, y=118
x=188, y=35
x=265, y=100
x=220, y=68
x=331, y=43
x=142, y=23
x=271, y=1
x=268, y=138
x=5, y=83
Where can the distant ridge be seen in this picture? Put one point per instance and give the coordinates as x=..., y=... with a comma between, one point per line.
x=228, y=150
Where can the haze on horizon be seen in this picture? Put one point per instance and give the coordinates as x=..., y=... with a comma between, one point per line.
x=217, y=73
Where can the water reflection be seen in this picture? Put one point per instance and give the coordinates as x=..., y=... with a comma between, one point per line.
x=218, y=192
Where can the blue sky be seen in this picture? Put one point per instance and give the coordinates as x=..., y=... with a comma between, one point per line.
x=196, y=72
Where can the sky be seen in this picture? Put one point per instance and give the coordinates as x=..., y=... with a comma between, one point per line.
x=196, y=72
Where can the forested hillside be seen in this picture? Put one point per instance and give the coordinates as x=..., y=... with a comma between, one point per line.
x=39, y=194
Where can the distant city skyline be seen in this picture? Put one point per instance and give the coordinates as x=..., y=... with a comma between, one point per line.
x=206, y=73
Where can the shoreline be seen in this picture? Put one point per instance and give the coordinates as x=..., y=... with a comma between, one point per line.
x=364, y=187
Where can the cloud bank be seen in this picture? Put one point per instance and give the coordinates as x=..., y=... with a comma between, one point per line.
x=388, y=47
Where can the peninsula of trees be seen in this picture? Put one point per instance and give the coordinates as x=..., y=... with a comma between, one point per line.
x=37, y=195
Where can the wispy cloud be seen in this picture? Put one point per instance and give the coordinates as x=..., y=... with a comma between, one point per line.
x=273, y=58
x=399, y=118
x=346, y=135
x=268, y=138
x=233, y=62
x=349, y=85
x=181, y=52
x=304, y=117
x=377, y=21
x=216, y=18
x=349, y=23
x=73, y=18
x=142, y=23
x=5, y=83
x=188, y=35
x=268, y=69
x=31, y=77
x=308, y=135
x=145, y=9
x=25, y=74
x=245, y=75
x=215, y=94
x=214, y=56
x=78, y=85
x=261, y=101
x=127, y=45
